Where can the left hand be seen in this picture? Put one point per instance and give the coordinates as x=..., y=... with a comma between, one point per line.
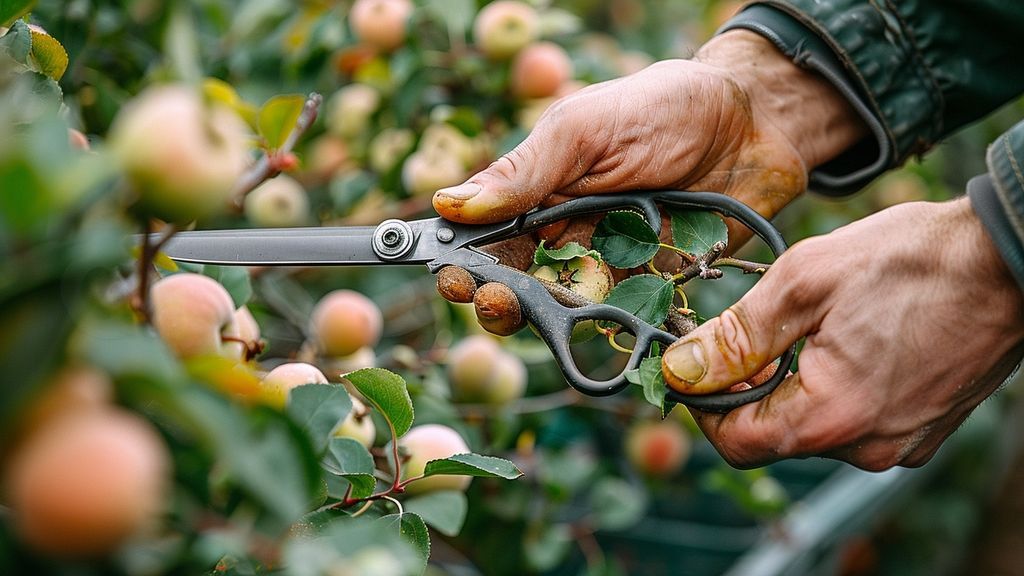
x=911, y=320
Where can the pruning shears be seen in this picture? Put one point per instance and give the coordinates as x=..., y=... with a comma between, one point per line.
x=436, y=243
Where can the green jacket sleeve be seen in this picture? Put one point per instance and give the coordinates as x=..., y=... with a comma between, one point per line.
x=915, y=70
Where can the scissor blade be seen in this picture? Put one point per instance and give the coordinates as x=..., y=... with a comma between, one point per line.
x=340, y=246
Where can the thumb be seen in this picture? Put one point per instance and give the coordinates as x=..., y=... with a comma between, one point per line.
x=548, y=160
x=746, y=337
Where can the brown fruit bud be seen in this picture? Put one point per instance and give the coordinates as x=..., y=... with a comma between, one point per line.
x=456, y=284
x=497, y=309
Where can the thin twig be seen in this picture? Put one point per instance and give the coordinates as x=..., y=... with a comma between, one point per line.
x=746, y=266
x=269, y=165
x=701, y=267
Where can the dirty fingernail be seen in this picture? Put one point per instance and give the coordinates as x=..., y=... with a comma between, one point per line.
x=461, y=192
x=687, y=362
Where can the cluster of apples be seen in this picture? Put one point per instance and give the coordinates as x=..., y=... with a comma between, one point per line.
x=437, y=155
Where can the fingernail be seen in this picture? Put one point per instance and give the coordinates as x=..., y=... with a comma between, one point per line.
x=461, y=192
x=687, y=362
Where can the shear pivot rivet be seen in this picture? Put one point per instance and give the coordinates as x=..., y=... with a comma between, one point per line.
x=392, y=239
x=445, y=235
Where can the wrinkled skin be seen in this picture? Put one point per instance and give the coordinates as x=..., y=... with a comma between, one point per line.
x=896, y=357
x=897, y=353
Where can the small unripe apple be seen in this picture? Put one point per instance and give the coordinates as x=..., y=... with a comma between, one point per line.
x=389, y=147
x=358, y=425
x=508, y=382
x=350, y=108
x=432, y=442
x=87, y=482
x=73, y=390
x=281, y=380
x=504, y=27
x=657, y=448
x=344, y=321
x=585, y=276
x=441, y=139
x=181, y=156
x=539, y=70
x=381, y=23
x=470, y=366
x=195, y=316
x=424, y=173
x=280, y=202
x=326, y=156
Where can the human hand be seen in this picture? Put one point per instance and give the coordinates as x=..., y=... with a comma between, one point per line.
x=911, y=319
x=740, y=119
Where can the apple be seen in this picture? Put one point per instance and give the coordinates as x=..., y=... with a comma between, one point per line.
x=585, y=276
x=73, y=389
x=424, y=173
x=508, y=381
x=432, y=442
x=441, y=139
x=344, y=321
x=181, y=156
x=281, y=380
x=470, y=366
x=195, y=316
x=87, y=482
x=358, y=425
x=504, y=27
x=497, y=309
x=657, y=448
x=389, y=148
x=365, y=357
x=280, y=202
x=350, y=108
x=539, y=70
x=380, y=23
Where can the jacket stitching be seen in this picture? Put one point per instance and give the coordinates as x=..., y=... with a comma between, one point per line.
x=1013, y=162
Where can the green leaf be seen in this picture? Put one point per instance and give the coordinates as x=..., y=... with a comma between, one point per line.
x=625, y=240
x=181, y=44
x=646, y=296
x=48, y=55
x=11, y=10
x=473, y=465
x=388, y=393
x=546, y=546
x=17, y=43
x=235, y=280
x=359, y=546
x=413, y=530
x=649, y=377
x=349, y=459
x=318, y=409
x=278, y=116
x=547, y=256
x=617, y=504
x=444, y=510
x=696, y=231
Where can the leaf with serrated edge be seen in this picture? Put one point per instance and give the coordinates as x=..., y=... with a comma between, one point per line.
x=317, y=409
x=387, y=392
x=278, y=116
x=473, y=465
x=48, y=55
x=413, y=531
x=350, y=460
x=696, y=231
x=625, y=240
x=546, y=256
x=648, y=297
x=444, y=510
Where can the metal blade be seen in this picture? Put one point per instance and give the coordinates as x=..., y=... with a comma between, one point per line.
x=340, y=246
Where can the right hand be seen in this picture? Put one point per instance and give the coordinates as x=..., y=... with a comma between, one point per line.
x=740, y=119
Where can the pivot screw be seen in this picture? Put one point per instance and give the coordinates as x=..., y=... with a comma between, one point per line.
x=392, y=239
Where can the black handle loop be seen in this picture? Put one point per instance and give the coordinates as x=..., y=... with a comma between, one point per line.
x=555, y=322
